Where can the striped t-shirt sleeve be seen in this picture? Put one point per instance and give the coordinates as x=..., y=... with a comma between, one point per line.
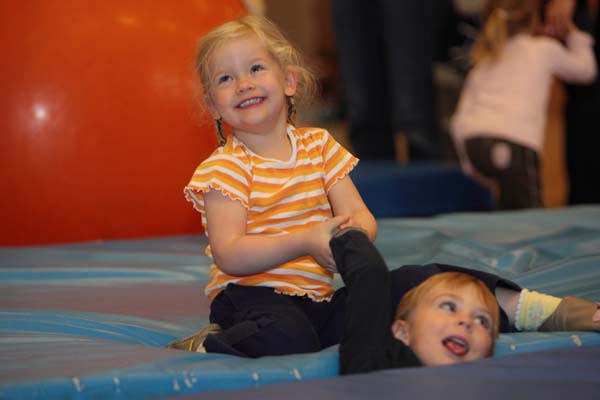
x=223, y=172
x=337, y=161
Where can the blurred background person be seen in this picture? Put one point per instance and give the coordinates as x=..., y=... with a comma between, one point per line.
x=385, y=60
x=499, y=123
x=583, y=103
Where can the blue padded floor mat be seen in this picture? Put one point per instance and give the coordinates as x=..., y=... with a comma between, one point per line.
x=90, y=320
x=533, y=375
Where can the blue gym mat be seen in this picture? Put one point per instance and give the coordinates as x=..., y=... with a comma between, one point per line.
x=556, y=374
x=90, y=320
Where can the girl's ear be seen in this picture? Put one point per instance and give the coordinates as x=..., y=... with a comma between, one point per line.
x=291, y=80
x=401, y=331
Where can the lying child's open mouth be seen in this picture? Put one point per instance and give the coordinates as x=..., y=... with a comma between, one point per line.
x=456, y=345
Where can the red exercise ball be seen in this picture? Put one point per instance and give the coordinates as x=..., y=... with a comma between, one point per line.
x=101, y=129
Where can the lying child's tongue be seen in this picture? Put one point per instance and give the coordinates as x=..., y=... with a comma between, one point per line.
x=456, y=346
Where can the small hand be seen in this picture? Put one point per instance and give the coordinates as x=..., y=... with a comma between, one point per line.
x=318, y=238
x=558, y=18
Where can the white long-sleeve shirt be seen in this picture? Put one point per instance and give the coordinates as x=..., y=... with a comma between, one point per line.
x=508, y=98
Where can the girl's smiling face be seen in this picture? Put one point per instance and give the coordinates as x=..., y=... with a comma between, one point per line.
x=249, y=87
x=448, y=327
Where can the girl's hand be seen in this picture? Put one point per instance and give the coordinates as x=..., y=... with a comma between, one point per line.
x=317, y=240
x=558, y=18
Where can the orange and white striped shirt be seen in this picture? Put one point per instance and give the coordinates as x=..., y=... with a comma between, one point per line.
x=281, y=197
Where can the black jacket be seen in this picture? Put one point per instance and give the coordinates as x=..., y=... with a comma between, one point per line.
x=367, y=344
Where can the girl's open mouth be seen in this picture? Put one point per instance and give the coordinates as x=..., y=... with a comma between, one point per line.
x=250, y=102
x=456, y=345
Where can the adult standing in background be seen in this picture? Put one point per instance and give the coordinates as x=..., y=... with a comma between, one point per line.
x=385, y=57
x=583, y=104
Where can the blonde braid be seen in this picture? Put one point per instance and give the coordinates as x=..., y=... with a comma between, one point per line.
x=220, y=131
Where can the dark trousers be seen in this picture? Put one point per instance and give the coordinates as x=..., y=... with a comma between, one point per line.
x=385, y=57
x=518, y=178
x=583, y=142
x=583, y=125
x=256, y=322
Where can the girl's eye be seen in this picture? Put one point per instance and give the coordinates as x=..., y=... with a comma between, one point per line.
x=256, y=68
x=448, y=306
x=483, y=321
x=224, y=78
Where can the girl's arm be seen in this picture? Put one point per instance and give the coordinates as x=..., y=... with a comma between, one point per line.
x=345, y=200
x=576, y=63
x=238, y=253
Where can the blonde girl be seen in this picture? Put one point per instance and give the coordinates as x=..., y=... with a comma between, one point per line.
x=270, y=197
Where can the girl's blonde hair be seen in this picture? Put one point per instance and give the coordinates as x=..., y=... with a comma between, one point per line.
x=451, y=281
x=503, y=19
x=276, y=44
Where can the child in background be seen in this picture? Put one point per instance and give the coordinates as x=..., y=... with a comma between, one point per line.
x=449, y=315
x=270, y=197
x=498, y=127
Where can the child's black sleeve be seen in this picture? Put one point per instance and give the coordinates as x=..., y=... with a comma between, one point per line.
x=367, y=325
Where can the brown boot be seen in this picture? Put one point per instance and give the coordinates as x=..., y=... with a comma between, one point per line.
x=195, y=340
x=573, y=314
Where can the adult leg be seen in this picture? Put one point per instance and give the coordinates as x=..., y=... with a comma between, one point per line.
x=359, y=46
x=582, y=143
x=407, y=37
x=583, y=125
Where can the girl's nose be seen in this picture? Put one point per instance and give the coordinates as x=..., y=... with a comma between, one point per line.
x=464, y=321
x=244, y=84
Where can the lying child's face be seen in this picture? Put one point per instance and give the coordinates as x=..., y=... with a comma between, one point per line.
x=448, y=327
